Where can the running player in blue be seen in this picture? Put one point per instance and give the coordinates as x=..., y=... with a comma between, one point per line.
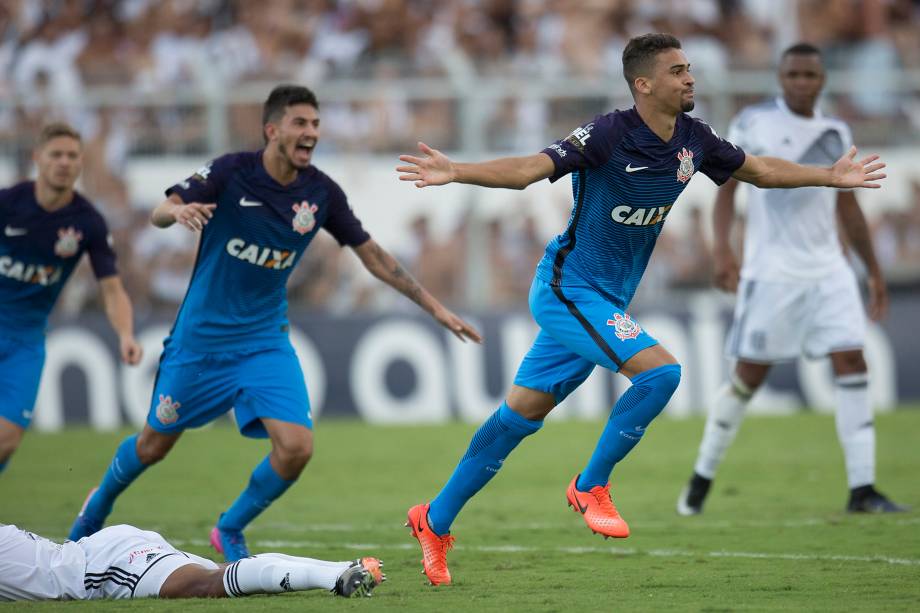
x=628, y=168
x=257, y=212
x=47, y=227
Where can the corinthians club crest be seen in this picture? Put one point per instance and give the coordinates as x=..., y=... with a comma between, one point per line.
x=624, y=327
x=304, y=219
x=168, y=411
x=685, y=170
x=68, y=242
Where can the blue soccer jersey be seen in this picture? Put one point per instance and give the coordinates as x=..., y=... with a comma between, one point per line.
x=625, y=181
x=237, y=297
x=38, y=252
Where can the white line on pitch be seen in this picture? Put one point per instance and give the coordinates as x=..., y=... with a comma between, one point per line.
x=658, y=553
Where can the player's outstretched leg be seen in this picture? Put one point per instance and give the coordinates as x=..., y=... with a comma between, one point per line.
x=491, y=444
x=722, y=426
x=272, y=573
x=589, y=493
x=265, y=485
x=126, y=466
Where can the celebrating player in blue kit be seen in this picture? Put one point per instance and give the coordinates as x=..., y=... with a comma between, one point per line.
x=47, y=227
x=229, y=347
x=628, y=169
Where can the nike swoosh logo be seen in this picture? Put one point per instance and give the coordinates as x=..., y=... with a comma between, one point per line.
x=631, y=168
x=640, y=428
x=420, y=528
x=578, y=504
x=244, y=202
x=11, y=231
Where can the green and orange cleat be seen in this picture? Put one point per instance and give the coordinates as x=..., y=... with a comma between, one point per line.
x=598, y=510
x=434, y=546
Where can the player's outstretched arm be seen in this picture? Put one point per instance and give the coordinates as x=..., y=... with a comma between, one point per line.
x=193, y=215
x=121, y=316
x=386, y=268
x=859, y=238
x=846, y=172
x=435, y=168
x=726, y=272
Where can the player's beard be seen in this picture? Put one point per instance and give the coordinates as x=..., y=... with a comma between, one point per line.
x=687, y=106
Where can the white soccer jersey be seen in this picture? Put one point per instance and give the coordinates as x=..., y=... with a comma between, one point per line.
x=34, y=568
x=116, y=562
x=790, y=233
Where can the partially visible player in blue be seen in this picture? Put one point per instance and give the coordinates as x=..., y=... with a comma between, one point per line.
x=47, y=227
x=229, y=347
x=628, y=168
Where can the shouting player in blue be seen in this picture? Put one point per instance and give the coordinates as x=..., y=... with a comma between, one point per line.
x=229, y=346
x=628, y=169
x=47, y=227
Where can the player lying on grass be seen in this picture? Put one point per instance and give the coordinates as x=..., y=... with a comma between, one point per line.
x=127, y=562
x=628, y=169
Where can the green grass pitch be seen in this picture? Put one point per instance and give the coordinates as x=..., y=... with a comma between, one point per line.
x=773, y=535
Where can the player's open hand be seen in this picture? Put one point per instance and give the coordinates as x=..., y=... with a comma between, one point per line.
x=434, y=168
x=131, y=352
x=457, y=326
x=194, y=215
x=847, y=172
x=725, y=271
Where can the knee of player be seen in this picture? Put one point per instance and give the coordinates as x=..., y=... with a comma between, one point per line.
x=668, y=377
x=152, y=449
x=294, y=456
x=10, y=437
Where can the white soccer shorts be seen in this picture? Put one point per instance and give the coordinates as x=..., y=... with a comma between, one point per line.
x=780, y=320
x=126, y=562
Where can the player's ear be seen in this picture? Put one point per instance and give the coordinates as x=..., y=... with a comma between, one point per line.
x=642, y=85
x=270, y=131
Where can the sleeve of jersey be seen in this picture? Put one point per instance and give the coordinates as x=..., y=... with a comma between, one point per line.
x=101, y=253
x=341, y=222
x=205, y=184
x=588, y=146
x=721, y=158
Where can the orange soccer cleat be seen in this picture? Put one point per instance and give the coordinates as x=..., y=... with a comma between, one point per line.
x=374, y=567
x=598, y=510
x=434, y=547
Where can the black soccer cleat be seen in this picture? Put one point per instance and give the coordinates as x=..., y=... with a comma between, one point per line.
x=690, y=501
x=354, y=582
x=866, y=499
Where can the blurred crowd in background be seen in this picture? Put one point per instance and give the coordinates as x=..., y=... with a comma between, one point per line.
x=132, y=74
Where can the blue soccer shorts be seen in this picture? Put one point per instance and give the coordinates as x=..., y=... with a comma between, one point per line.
x=579, y=329
x=20, y=373
x=193, y=389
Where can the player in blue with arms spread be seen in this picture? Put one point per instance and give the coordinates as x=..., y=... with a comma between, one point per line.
x=47, y=227
x=628, y=168
x=229, y=347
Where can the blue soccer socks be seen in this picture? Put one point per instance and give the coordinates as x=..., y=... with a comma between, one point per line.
x=126, y=466
x=631, y=415
x=2, y=467
x=265, y=485
x=491, y=444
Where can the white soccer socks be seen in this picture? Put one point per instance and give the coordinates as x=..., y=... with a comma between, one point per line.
x=722, y=425
x=273, y=573
x=855, y=428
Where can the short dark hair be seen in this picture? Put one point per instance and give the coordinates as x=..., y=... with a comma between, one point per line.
x=640, y=52
x=284, y=96
x=802, y=49
x=54, y=130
